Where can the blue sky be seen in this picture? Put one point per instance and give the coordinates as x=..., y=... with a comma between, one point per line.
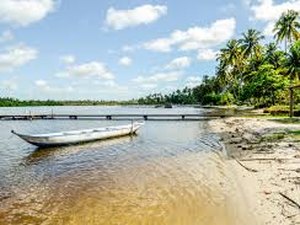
x=117, y=49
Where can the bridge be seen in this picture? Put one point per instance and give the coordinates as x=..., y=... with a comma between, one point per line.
x=180, y=116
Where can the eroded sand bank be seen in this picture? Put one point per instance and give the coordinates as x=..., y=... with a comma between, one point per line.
x=265, y=161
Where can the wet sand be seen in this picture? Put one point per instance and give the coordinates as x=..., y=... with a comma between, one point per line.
x=265, y=161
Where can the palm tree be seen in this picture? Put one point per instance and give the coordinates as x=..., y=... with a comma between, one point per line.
x=271, y=49
x=273, y=55
x=231, y=64
x=222, y=71
x=286, y=28
x=292, y=62
x=293, y=66
x=223, y=76
x=231, y=57
x=233, y=53
x=250, y=43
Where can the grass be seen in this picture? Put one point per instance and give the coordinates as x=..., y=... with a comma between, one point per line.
x=282, y=110
x=295, y=135
x=294, y=132
x=286, y=120
x=275, y=136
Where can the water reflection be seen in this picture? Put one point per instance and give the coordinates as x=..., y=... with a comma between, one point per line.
x=43, y=154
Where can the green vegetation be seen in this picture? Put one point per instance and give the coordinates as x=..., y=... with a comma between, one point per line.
x=293, y=135
x=281, y=110
x=247, y=73
x=273, y=137
x=185, y=96
x=9, y=102
x=295, y=132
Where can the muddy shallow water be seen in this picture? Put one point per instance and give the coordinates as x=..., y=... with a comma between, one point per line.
x=170, y=173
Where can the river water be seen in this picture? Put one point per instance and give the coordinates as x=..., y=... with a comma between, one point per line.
x=172, y=172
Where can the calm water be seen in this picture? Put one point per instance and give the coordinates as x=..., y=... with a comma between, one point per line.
x=170, y=173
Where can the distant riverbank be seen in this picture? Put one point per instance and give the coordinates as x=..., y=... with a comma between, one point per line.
x=13, y=102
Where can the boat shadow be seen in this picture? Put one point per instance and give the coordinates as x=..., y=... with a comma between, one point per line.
x=50, y=153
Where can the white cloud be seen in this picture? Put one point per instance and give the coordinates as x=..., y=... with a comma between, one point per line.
x=246, y=2
x=101, y=89
x=195, y=37
x=148, y=86
x=10, y=84
x=125, y=61
x=16, y=56
x=268, y=11
x=179, y=63
x=6, y=36
x=160, y=45
x=24, y=12
x=68, y=59
x=159, y=77
x=207, y=55
x=128, y=48
x=145, y=14
x=268, y=30
x=109, y=83
x=106, y=83
x=63, y=74
x=41, y=83
x=91, y=69
x=193, y=81
x=44, y=86
x=68, y=89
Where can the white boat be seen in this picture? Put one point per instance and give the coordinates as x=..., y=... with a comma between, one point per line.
x=80, y=136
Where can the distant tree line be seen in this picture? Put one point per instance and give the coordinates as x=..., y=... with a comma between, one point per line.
x=9, y=102
x=185, y=96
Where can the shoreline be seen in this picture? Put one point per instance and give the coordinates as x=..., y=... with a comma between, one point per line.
x=265, y=161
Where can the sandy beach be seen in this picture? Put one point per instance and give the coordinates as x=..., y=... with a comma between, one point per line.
x=265, y=161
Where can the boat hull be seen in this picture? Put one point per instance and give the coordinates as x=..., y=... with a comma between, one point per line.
x=81, y=136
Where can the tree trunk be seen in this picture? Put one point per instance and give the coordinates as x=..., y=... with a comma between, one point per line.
x=291, y=102
x=291, y=97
